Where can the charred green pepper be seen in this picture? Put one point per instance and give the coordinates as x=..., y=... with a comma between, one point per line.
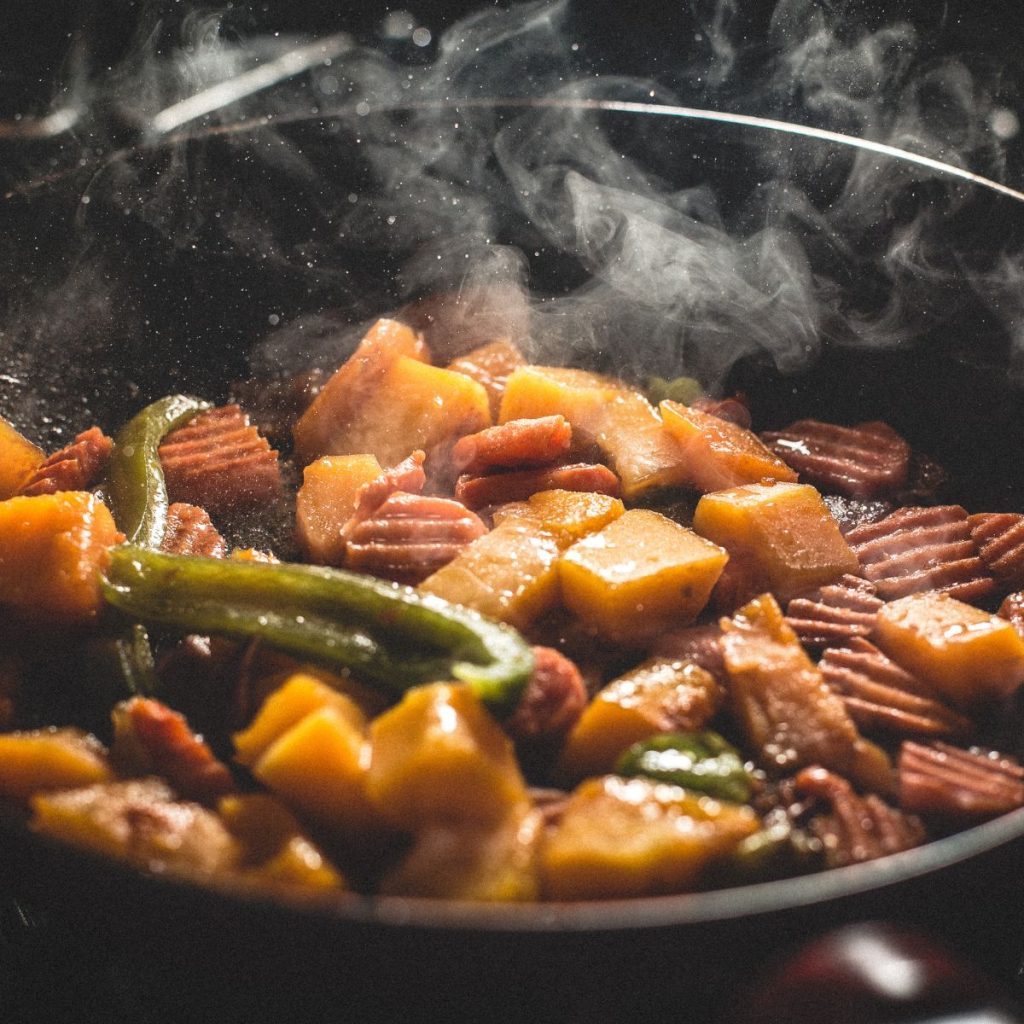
x=701, y=761
x=386, y=634
x=135, y=478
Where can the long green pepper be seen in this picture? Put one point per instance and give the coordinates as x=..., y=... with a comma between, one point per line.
x=387, y=634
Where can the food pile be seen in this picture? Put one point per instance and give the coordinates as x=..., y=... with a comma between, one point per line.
x=531, y=633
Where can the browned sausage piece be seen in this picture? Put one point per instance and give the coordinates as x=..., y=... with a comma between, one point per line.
x=525, y=443
x=190, y=531
x=76, y=467
x=498, y=488
x=554, y=698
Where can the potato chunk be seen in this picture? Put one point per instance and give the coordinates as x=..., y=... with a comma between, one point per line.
x=52, y=549
x=639, y=575
x=324, y=427
x=19, y=457
x=606, y=412
x=635, y=837
x=786, y=709
x=508, y=574
x=493, y=863
x=967, y=654
x=326, y=501
x=780, y=536
x=31, y=762
x=438, y=756
x=720, y=454
x=660, y=695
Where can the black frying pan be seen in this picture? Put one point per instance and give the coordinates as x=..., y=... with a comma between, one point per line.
x=144, y=290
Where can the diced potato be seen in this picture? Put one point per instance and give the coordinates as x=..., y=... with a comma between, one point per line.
x=572, y=515
x=319, y=768
x=19, y=458
x=490, y=366
x=324, y=427
x=634, y=837
x=965, y=653
x=639, y=575
x=326, y=501
x=32, y=762
x=660, y=695
x=274, y=848
x=789, y=714
x=52, y=550
x=299, y=695
x=721, y=454
x=617, y=418
x=141, y=822
x=482, y=863
x=780, y=534
x=439, y=757
x=508, y=574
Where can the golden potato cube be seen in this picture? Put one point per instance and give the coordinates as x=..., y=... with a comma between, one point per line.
x=605, y=411
x=508, y=574
x=965, y=653
x=52, y=550
x=782, y=534
x=438, y=756
x=31, y=762
x=274, y=848
x=324, y=426
x=572, y=515
x=19, y=458
x=639, y=575
x=483, y=863
x=721, y=454
x=299, y=695
x=326, y=501
x=660, y=695
x=490, y=366
x=634, y=837
x=318, y=767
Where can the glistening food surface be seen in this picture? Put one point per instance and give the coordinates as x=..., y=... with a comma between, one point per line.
x=519, y=632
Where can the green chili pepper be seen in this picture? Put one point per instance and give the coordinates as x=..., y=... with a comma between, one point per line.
x=135, y=479
x=697, y=760
x=387, y=634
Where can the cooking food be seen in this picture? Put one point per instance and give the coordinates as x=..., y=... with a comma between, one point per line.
x=525, y=633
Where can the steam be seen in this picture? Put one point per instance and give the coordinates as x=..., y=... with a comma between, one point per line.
x=316, y=183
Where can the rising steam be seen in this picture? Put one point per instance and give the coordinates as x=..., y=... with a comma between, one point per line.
x=315, y=183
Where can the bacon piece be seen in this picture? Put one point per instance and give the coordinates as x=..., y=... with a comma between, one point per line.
x=1012, y=608
x=835, y=613
x=1000, y=540
x=917, y=549
x=879, y=695
x=151, y=739
x=700, y=644
x=553, y=699
x=410, y=536
x=526, y=443
x=859, y=828
x=219, y=461
x=76, y=467
x=958, y=785
x=499, y=488
x=869, y=460
x=190, y=531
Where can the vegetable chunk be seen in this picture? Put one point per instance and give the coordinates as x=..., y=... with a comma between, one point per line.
x=780, y=537
x=640, y=574
x=965, y=653
x=32, y=762
x=636, y=837
x=52, y=549
x=784, y=705
x=438, y=756
x=326, y=501
x=19, y=458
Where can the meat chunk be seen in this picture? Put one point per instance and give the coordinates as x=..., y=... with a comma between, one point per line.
x=190, y=531
x=76, y=467
x=522, y=443
x=835, y=613
x=498, y=488
x=554, y=697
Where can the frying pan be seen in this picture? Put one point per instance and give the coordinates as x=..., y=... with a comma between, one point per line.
x=143, y=289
